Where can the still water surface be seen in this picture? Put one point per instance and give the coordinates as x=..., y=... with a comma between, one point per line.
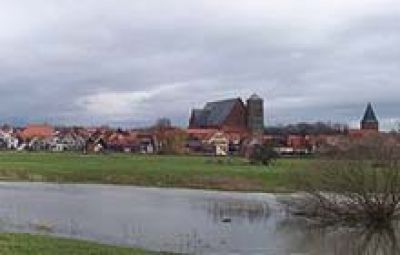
x=187, y=221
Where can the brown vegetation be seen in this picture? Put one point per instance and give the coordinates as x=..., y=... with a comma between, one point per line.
x=358, y=185
x=171, y=140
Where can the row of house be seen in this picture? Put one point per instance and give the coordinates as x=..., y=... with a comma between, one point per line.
x=220, y=142
x=43, y=137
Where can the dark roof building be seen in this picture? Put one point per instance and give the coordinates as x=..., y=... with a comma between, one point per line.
x=230, y=113
x=369, y=121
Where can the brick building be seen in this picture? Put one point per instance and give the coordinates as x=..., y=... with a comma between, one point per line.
x=230, y=114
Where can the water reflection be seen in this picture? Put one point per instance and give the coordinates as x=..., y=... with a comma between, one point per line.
x=369, y=241
x=224, y=210
x=339, y=240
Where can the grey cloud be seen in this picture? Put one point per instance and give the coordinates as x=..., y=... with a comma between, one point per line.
x=60, y=56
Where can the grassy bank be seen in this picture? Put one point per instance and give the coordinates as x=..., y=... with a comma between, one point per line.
x=142, y=170
x=24, y=244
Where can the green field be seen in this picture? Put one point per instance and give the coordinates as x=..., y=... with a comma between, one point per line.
x=24, y=244
x=151, y=170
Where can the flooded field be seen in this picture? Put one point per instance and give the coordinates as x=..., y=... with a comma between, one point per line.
x=185, y=221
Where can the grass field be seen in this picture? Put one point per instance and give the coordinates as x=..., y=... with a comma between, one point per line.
x=24, y=244
x=142, y=170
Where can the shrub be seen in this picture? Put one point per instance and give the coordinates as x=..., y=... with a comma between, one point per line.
x=361, y=185
x=171, y=141
x=263, y=154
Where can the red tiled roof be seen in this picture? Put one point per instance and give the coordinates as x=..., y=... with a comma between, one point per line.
x=122, y=139
x=201, y=133
x=37, y=130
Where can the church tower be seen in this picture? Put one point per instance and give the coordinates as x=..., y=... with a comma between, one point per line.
x=255, y=114
x=369, y=121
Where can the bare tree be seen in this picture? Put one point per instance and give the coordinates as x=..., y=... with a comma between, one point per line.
x=163, y=123
x=359, y=185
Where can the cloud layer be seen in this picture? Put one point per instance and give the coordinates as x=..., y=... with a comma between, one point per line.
x=129, y=62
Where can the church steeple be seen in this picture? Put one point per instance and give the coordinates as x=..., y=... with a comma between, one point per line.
x=255, y=114
x=369, y=121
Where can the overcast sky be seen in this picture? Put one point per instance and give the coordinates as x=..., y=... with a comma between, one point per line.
x=128, y=62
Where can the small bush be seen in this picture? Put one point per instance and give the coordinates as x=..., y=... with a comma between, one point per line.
x=263, y=154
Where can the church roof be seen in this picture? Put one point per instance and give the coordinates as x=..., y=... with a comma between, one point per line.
x=214, y=113
x=369, y=116
x=200, y=117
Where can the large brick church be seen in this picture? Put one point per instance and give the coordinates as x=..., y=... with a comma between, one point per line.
x=231, y=114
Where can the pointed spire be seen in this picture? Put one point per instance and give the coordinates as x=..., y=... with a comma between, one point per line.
x=369, y=116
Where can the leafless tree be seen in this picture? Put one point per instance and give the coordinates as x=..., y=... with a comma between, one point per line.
x=358, y=185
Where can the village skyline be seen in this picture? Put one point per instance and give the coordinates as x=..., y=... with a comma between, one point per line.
x=354, y=122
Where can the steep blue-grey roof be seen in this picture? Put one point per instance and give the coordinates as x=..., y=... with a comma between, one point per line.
x=369, y=116
x=200, y=117
x=214, y=113
x=219, y=111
